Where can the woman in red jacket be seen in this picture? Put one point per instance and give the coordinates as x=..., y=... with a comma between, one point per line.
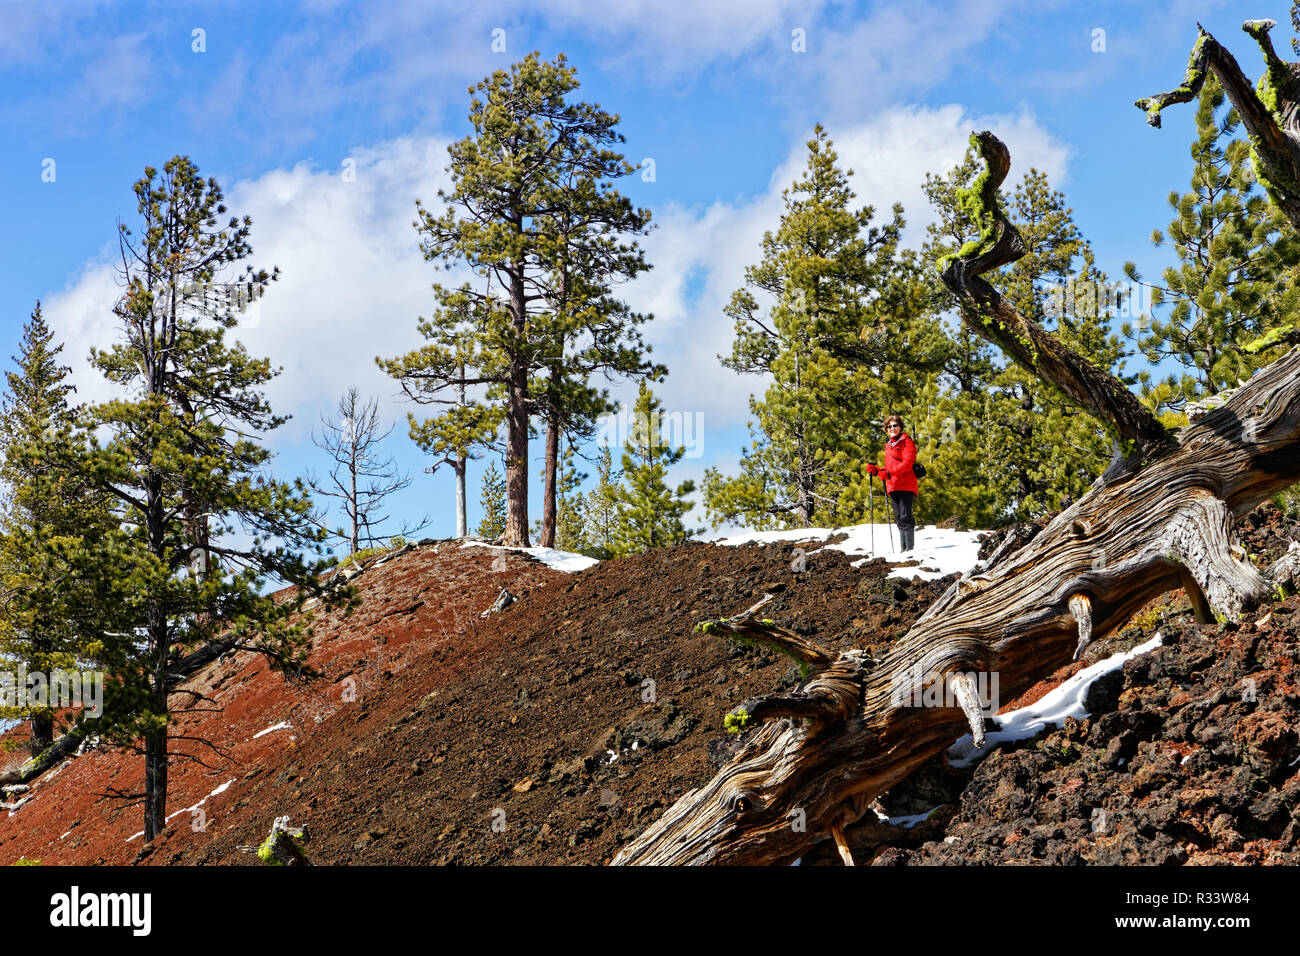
x=899, y=478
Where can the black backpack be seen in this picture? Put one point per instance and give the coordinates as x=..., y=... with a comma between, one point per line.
x=918, y=469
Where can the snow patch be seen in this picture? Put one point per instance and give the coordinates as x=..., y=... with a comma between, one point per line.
x=281, y=726
x=560, y=560
x=906, y=822
x=940, y=551
x=1048, y=711
x=220, y=790
x=217, y=792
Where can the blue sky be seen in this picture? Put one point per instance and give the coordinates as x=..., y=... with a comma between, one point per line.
x=277, y=99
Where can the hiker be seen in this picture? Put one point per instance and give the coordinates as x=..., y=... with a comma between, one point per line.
x=899, y=478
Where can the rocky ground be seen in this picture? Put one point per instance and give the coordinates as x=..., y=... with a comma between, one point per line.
x=1191, y=755
x=557, y=729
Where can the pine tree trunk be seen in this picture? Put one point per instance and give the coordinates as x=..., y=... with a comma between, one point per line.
x=155, y=784
x=158, y=637
x=462, y=520
x=42, y=732
x=549, y=481
x=43, y=721
x=517, y=428
x=459, y=467
x=1160, y=518
x=155, y=741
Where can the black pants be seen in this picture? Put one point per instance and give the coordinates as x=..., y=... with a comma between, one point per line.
x=903, y=517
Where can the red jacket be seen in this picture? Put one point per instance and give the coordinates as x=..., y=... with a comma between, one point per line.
x=900, y=455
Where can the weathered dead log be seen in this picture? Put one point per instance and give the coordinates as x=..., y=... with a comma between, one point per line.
x=33, y=767
x=1160, y=518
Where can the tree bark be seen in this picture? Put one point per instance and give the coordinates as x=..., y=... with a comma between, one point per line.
x=1270, y=110
x=462, y=522
x=549, y=478
x=1160, y=518
x=516, y=535
x=39, y=763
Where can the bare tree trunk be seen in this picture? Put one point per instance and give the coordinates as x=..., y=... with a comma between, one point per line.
x=354, y=537
x=1159, y=519
x=458, y=465
x=517, y=429
x=462, y=522
x=39, y=763
x=549, y=481
x=1269, y=111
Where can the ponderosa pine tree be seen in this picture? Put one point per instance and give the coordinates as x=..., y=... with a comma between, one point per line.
x=530, y=199
x=591, y=245
x=1236, y=277
x=493, y=501
x=456, y=356
x=1003, y=445
x=600, y=508
x=52, y=525
x=830, y=313
x=649, y=513
x=1052, y=452
x=161, y=459
x=571, y=509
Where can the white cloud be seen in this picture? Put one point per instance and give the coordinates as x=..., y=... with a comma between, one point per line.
x=684, y=34
x=899, y=49
x=353, y=281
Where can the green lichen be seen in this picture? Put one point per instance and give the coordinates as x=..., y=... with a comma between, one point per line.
x=715, y=627
x=1270, y=338
x=979, y=202
x=1275, y=75
x=266, y=852
x=734, y=723
x=1152, y=106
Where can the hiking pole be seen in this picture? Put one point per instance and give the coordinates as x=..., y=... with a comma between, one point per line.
x=892, y=519
x=871, y=498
